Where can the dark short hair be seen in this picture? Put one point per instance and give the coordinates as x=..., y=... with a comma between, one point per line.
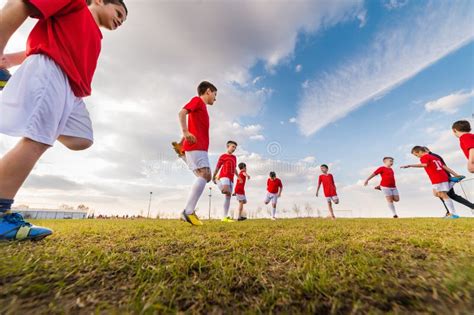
x=388, y=158
x=273, y=174
x=117, y=2
x=231, y=142
x=203, y=86
x=462, y=126
x=324, y=165
x=242, y=165
x=418, y=148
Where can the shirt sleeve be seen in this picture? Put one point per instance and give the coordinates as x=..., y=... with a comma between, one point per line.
x=378, y=171
x=280, y=184
x=193, y=105
x=49, y=8
x=468, y=143
x=219, y=163
x=425, y=159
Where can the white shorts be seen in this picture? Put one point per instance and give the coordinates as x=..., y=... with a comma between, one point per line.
x=197, y=159
x=443, y=187
x=241, y=197
x=333, y=198
x=38, y=103
x=224, y=181
x=271, y=197
x=389, y=191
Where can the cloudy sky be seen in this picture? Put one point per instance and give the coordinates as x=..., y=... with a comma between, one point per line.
x=300, y=83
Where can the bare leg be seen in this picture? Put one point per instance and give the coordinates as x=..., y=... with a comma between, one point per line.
x=331, y=211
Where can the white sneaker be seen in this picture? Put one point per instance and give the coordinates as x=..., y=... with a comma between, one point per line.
x=273, y=219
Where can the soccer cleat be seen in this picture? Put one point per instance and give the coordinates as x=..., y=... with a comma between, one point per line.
x=273, y=219
x=4, y=77
x=178, y=148
x=377, y=187
x=395, y=216
x=453, y=216
x=227, y=219
x=14, y=228
x=191, y=218
x=456, y=179
x=241, y=219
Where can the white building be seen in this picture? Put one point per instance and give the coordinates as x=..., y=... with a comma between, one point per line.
x=51, y=214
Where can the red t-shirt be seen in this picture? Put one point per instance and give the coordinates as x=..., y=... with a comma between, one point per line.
x=273, y=185
x=68, y=34
x=227, y=163
x=467, y=143
x=329, y=186
x=240, y=186
x=434, y=169
x=388, y=176
x=198, y=125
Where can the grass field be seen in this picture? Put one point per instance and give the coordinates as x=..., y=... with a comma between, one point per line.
x=288, y=266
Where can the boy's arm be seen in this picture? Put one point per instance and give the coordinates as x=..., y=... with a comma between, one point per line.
x=214, y=176
x=280, y=189
x=450, y=171
x=10, y=60
x=415, y=165
x=184, y=126
x=368, y=179
x=317, y=189
x=470, y=161
x=12, y=16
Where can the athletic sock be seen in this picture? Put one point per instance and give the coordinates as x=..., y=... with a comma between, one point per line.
x=5, y=205
x=226, y=206
x=449, y=203
x=392, y=208
x=274, y=211
x=196, y=192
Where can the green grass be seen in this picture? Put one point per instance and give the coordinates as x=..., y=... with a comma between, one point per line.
x=287, y=266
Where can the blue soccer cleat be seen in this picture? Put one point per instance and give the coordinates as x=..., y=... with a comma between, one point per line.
x=4, y=77
x=456, y=179
x=14, y=228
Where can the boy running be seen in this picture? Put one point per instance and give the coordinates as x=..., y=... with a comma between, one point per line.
x=195, y=145
x=462, y=130
x=437, y=173
x=387, y=184
x=225, y=178
x=239, y=191
x=274, y=189
x=329, y=187
x=43, y=101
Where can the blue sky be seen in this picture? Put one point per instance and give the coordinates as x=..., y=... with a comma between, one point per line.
x=340, y=82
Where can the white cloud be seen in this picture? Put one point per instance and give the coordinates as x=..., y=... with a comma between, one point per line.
x=362, y=17
x=396, y=54
x=395, y=4
x=450, y=103
x=292, y=120
x=298, y=68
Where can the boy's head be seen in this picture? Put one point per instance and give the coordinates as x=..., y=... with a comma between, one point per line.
x=419, y=151
x=461, y=127
x=388, y=161
x=273, y=175
x=208, y=92
x=242, y=166
x=231, y=146
x=324, y=168
x=109, y=14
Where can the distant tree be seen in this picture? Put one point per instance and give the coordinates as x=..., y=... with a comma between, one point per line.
x=309, y=210
x=22, y=206
x=66, y=207
x=296, y=209
x=82, y=207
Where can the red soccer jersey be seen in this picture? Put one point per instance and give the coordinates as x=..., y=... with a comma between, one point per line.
x=68, y=34
x=227, y=163
x=467, y=143
x=198, y=125
x=388, y=176
x=240, y=186
x=329, y=186
x=273, y=185
x=434, y=169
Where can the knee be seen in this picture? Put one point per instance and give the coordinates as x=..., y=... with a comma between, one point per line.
x=78, y=144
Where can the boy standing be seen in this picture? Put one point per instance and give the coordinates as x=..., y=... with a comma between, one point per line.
x=274, y=189
x=240, y=190
x=462, y=130
x=196, y=144
x=43, y=100
x=387, y=184
x=226, y=164
x=329, y=187
x=437, y=173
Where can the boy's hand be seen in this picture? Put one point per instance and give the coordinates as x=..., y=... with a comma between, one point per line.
x=214, y=180
x=189, y=137
x=366, y=183
x=4, y=62
x=317, y=194
x=405, y=166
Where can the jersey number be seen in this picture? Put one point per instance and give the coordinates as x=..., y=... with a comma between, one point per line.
x=439, y=165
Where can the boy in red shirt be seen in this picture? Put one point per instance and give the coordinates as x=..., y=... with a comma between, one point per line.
x=227, y=165
x=195, y=145
x=239, y=191
x=43, y=101
x=438, y=174
x=462, y=130
x=329, y=187
x=387, y=185
x=274, y=189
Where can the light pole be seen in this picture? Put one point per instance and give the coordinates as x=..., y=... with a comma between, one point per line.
x=210, y=202
x=149, y=205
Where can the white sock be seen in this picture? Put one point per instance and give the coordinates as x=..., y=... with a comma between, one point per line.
x=196, y=192
x=449, y=203
x=274, y=211
x=226, y=206
x=391, y=205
